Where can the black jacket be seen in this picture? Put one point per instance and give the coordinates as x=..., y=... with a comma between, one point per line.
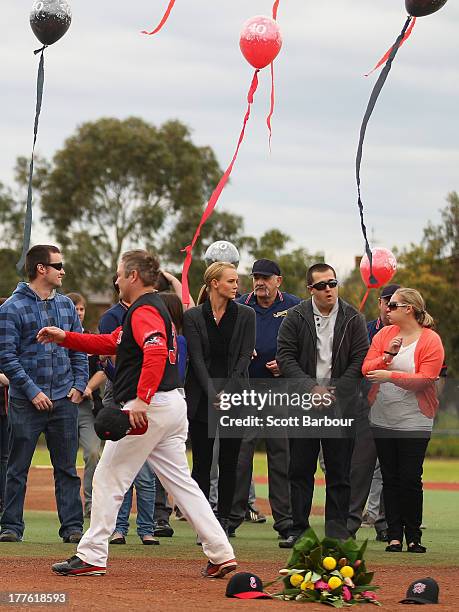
x=197, y=381
x=297, y=348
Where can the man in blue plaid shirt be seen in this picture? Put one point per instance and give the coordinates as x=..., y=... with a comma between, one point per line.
x=46, y=386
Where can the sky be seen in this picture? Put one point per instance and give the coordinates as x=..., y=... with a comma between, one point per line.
x=194, y=71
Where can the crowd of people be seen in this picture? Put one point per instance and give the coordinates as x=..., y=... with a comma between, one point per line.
x=167, y=367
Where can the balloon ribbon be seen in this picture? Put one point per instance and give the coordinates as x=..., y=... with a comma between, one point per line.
x=385, y=57
x=163, y=20
x=271, y=110
x=28, y=214
x=364, y=299
x=215, y=195
x=371, y=105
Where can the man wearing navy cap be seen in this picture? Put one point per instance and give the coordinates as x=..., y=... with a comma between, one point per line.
x=365, y=470
x=271, y=306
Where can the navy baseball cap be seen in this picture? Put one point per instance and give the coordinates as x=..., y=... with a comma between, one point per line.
x=266, y=267
x=244, y=585
x=113, y=424
x=423, y=591
x=389, y=290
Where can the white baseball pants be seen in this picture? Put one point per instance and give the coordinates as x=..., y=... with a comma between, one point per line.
x=163, y=446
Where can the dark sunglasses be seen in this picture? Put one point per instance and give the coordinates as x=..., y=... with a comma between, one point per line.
x=321, y=285
x=56, y=266
x=395, y=305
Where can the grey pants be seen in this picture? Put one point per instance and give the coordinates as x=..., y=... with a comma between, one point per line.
x=277, y=450
x=363, y=465
x=90, y=444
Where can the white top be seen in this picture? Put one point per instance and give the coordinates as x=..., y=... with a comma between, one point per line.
x=397, y=408
x=325, y=327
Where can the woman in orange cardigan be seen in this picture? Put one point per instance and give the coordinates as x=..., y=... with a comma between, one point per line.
x=403, y=362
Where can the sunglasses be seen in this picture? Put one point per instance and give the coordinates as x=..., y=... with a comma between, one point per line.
x=395, y=305
x=57, y=266
x=322, y=285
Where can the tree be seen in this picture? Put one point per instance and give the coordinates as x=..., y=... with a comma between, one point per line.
x=273, y=244
x=11, y=229
x=123, y=184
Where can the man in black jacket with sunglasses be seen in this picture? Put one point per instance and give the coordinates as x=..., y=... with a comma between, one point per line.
x=321, y=346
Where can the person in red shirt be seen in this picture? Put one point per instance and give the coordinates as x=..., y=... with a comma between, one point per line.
x=146, y=382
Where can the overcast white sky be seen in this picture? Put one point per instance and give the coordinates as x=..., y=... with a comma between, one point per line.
x=193, y=71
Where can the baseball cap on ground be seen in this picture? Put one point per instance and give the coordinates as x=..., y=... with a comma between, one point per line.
x=266, y=267
x=423, y=591
x=113, y=424
x=389, y=290
x=244, y=585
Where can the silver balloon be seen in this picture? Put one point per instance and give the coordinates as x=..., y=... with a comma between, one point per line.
x=50, y=20
x=222, y=251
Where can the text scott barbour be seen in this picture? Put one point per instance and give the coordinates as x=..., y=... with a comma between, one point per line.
x=290, y=421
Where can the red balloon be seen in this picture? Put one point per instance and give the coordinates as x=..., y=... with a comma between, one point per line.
x=260, y=41
x=384, y=267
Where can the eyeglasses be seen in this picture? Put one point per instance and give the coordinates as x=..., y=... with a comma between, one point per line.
x=395, y=305
x=321, y=285
x=57, y=266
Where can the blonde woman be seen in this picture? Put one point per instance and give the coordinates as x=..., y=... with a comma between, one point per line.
x=404, y=361
x=221, y=338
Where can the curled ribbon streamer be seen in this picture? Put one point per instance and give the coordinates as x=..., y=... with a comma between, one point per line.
x=385, y=57
x=215, y=195
x=363, y=128
x=28, y=214
x=271, y=109
x=163, y=20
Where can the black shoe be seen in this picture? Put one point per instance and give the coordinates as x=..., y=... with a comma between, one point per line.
x=382, y=536
x=231, y=532
x=416, y=547
x=163, y=529
x=394, y=548
x=252, y=515
x=289, y=542
x=72, y=538
x=9, y=536
x=76, y=567
x=118, y=538
x=149, y=541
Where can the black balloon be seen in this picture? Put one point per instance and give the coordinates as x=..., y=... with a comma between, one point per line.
x=50, y=20
x=420, y=8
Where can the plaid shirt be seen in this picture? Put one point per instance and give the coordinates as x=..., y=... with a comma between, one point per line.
x=32, y=367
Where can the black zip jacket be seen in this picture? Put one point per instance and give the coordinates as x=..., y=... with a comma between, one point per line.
x=297, y=349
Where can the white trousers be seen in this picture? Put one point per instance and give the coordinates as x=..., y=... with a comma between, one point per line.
x=163, y=446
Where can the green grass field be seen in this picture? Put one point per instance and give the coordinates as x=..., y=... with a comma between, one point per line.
x=260, y=541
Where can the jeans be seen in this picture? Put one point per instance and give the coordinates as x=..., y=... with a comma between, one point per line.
x=60, y=427
x=144, y=484
x=401, y=461
x=90, y=443
x=3, y=456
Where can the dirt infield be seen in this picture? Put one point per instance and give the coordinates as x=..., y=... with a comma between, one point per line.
x=171, y=585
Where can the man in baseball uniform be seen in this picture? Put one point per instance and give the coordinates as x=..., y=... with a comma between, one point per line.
x=146, y=382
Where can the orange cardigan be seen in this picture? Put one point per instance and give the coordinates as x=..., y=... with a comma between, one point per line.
x=428, y=360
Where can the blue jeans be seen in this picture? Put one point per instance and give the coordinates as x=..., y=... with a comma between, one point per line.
x=3, y=456
x=145, y=487
x=60, y=427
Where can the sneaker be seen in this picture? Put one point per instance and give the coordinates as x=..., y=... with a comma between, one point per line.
x=163, y=529
x=252, y=515
x=9, y=536
x=76, y=567
x=288, y=542
x=72, y=538
x=219, y=570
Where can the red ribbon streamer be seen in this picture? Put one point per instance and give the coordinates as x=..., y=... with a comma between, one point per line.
x=364, y=299
x=215, y=196
x=163, y=20
x=385, y=57
x=275, y=7
x=271, y=110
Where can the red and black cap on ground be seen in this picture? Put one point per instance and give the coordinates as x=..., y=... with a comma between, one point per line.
x=245, y=585
x=423, y=591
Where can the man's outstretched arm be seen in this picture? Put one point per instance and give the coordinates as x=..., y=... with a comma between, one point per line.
x=96, y=344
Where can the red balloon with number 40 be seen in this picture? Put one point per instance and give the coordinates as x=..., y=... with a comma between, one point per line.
x=260, y=41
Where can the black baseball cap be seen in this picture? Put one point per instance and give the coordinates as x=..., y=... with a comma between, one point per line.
x=113, y=424
x=245, y=585
x=423, y=591
x=266, y=267
x=389, y=290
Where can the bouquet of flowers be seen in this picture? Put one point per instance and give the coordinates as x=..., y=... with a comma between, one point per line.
x=330, y=571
